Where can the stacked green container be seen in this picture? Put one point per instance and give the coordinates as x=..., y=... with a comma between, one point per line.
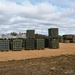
x=4, y=45
x=53, y=32
x=68, y=38
x=30, y=44
x=40, y=43
x=53, y=43
x=30, y=33
x=16, y=44
x=53, y=38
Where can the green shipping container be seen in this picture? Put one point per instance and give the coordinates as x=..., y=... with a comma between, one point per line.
x=30, y=33
x=53, y=32
x=40, y=43
x=54, y=43
x=30, y=44
x=16, y=44
x=4, y=45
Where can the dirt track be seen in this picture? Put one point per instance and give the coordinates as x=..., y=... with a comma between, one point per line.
x=65, y=48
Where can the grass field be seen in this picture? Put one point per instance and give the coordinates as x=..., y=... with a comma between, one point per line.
x=55, y=65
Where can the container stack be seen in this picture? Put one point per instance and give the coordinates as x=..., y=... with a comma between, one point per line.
x=68, y=38
x=4, y=45
x=40, y=44
x=53, y=38
x=16, y=44
x=30, y=40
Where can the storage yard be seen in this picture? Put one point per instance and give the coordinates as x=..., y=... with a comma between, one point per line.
x=30, y=42
x=38, y=56
x=31, y=47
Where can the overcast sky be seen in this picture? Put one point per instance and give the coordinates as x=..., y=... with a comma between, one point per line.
x=21, y=15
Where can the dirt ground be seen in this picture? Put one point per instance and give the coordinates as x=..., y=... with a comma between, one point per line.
x=53, y=65
x=65, y=48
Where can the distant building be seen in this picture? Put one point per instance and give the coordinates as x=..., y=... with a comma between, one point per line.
x=7, y=36
x=21, y=35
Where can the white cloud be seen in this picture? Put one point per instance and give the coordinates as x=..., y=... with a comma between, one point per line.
x=19, y=16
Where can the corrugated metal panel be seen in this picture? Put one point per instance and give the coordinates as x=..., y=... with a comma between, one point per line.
x=4, y=45
x=54, y=43
x=53, y=32
x=30, y=34
x=30, y=44
x=40, y=43
x=16, y=44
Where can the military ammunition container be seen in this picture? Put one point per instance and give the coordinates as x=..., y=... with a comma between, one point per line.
x=30, y=34
x=53, y=32
x=54, y=43
x=30, y=44
x=16, y=44
x=40, y=43
x=4, y=45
